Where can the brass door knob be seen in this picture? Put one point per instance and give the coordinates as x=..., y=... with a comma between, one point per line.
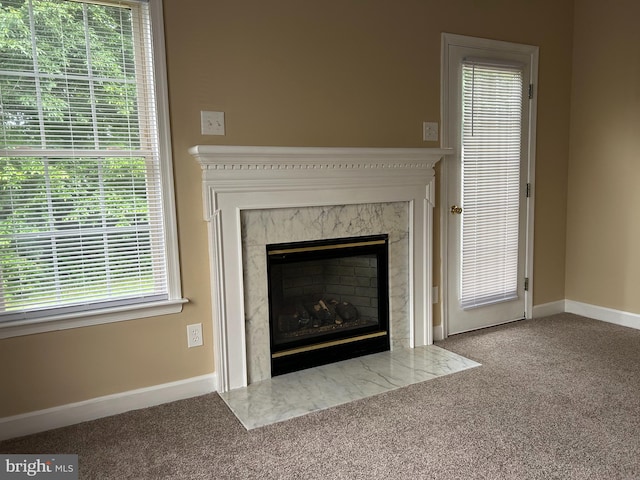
x=456, y=210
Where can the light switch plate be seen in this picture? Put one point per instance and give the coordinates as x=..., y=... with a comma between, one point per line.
x=430, y=131
x=212, y=123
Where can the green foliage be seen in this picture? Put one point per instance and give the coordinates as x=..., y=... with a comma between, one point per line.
x=75, y=87
x=81, y=93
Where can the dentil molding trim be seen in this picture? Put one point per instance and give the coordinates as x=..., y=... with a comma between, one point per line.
x=226, y=157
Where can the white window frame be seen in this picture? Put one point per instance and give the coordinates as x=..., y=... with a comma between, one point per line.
x=175, y=301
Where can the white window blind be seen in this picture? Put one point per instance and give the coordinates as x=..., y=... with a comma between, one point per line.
x=491, y=151
x=81, y=211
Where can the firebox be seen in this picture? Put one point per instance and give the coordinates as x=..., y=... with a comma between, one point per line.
x=328, y=301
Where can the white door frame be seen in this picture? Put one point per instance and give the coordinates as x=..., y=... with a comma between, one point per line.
x=449, y=39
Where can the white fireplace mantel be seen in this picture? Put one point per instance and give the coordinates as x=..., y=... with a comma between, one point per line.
x=237, y=178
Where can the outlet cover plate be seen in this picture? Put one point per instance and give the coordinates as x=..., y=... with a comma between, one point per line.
x=430, y=131
x=194, y=335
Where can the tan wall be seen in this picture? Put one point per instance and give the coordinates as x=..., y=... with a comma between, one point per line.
x=299, y=73
x=603, y=231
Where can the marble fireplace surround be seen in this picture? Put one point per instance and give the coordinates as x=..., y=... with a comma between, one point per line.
x=241, y=183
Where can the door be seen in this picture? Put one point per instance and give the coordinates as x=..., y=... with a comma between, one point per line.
x=488, y=182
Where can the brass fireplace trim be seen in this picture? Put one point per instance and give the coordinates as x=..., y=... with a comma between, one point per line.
x=318, y=346
x=325, y=247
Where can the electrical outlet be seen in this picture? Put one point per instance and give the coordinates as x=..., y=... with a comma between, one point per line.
x=430, y=131
x=194, y=335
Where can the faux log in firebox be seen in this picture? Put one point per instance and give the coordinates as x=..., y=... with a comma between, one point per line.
x=328, y=301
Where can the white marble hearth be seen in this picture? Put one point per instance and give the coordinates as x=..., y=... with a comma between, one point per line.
x=254, y=196
x=299, y=393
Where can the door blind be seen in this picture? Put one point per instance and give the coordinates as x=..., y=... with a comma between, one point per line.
x=492, y=109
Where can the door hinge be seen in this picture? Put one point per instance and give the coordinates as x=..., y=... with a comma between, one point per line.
x=528, y=193
x=526, y=284
x=530, y=91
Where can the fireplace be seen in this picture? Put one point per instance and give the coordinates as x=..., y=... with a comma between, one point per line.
x=255, y=196
x=328, y=301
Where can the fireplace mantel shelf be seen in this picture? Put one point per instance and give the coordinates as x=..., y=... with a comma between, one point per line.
x=226, y=157
x=238, y=179
x=233, y=169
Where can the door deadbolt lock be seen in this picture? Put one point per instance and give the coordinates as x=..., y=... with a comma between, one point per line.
x=456, y=210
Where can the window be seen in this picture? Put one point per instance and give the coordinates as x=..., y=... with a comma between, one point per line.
x=86, y=199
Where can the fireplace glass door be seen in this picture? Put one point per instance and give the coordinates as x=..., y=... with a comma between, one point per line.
x=328, y=301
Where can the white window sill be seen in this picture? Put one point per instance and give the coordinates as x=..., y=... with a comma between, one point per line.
x=86, y=319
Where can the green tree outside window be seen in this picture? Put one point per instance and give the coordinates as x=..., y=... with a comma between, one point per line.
x=77, y=179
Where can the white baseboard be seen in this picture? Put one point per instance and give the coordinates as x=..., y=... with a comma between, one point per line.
x=438, y=332
x=619, y=317
x=626, y=319
x=551, y=308
x=72, y=413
